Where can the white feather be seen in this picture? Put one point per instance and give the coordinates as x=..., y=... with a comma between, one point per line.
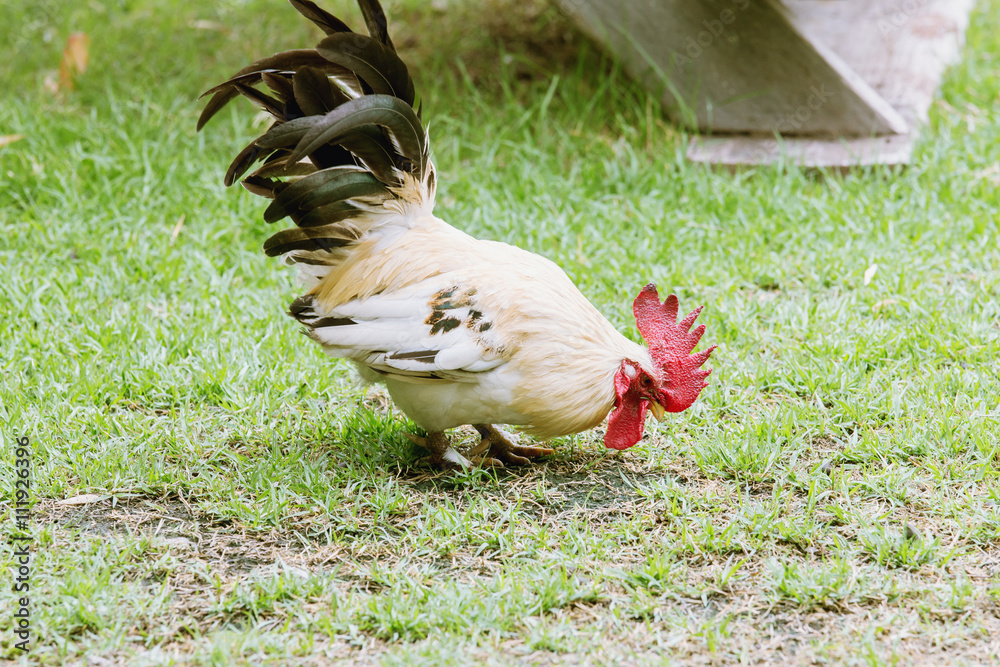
x=388, y=327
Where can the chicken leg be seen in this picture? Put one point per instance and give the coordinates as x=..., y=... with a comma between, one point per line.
x=443, y=455
x=499, y=447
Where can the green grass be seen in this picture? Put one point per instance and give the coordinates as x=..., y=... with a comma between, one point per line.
x=833, y=498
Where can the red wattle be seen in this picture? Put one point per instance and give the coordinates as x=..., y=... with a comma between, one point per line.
x=628, y=418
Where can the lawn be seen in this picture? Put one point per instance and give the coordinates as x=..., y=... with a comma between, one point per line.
x=833, y=498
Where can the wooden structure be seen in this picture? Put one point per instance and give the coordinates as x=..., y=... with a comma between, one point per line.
x=820, y=82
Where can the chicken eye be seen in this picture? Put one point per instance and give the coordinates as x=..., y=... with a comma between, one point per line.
x=646, y=381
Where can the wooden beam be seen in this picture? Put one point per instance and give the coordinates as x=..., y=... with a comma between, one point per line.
x=816, y=82
x=900, y=47
x=737, y=66
x=842, y=154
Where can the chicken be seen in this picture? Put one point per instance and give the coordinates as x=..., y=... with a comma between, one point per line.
x=459, y=330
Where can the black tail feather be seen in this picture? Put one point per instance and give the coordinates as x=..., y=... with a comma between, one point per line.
x=268, y=103
x=383, y=110
x=375, y=64
x=271, y=169
x=244, y=160
x=263, y=187
x=326, y=21
x=344, y=126
x=374, y=150
x=375, y=21
x=314, y=93
x=324, y=188
x=287, y=61
x=326, y=238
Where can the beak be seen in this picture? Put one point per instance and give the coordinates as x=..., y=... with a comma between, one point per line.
x=657, y=410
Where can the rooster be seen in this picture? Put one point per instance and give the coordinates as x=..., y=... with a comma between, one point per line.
x=459, y=330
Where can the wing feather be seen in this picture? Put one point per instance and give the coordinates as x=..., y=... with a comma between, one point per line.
x=401, y=334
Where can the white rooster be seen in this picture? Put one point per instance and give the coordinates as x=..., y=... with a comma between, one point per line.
x=459, y=330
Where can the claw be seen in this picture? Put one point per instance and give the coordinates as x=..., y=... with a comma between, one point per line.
x=479, y=449
x=416, y=439
x=503, y=447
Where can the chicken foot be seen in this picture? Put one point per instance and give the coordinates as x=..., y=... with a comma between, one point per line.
x=502, y=447
x=498, y=448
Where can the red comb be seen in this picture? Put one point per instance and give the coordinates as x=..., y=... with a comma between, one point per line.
x=671, y=344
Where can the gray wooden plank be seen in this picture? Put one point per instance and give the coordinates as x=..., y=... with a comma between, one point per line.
x=893, y=149
x=736, y=66
x=901, y=48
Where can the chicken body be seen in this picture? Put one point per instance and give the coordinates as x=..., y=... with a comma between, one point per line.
x=460, y=330
x=465, y=331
